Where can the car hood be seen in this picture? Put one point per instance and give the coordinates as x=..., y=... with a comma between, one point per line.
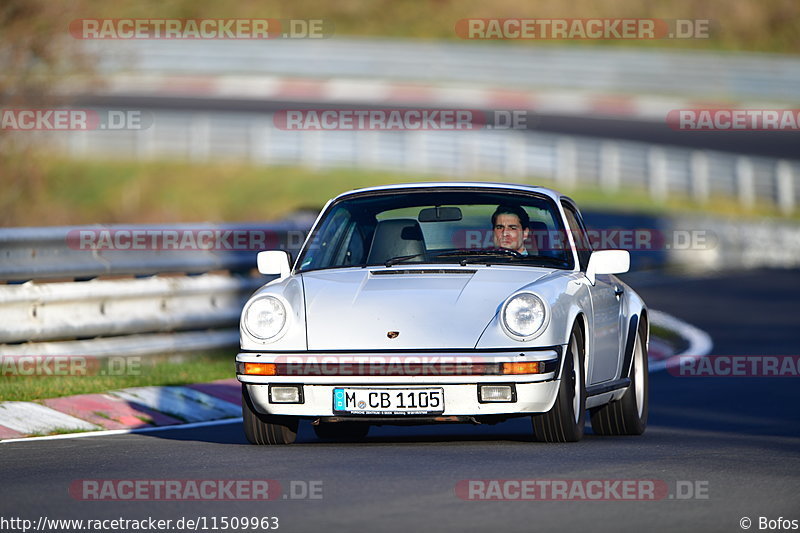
x=438, y=308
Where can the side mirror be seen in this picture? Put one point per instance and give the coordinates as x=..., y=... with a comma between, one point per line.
x=608, y=262
x=274, y=263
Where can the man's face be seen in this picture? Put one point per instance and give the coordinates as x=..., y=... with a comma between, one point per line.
x=508, y=233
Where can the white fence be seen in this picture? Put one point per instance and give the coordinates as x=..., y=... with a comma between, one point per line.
x=512, y=155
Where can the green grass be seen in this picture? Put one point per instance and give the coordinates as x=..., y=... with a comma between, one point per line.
x=766, y=25
x=43, y=191
x=61, y=431
x=675, y=341
x=165, y=370
x=145, y=419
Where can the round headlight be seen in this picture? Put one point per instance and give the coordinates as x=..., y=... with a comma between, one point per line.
x=523, y=315
x=265, y=317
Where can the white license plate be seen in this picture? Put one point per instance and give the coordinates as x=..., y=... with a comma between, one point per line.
x=388, y=401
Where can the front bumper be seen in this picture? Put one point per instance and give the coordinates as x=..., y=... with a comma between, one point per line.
x=535, y=393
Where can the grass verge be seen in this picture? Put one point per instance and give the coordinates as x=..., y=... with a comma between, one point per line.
x=671, y=338
x=164, y=370
x=47, y=191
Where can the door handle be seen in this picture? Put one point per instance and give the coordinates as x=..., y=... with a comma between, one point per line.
x=618, y=290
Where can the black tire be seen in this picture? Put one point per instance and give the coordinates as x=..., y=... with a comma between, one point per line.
x=266, y=429
x=628, y=415
x=341, y=431
x=566, y=420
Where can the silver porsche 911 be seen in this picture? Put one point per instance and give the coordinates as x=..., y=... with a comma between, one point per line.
x=444, y=302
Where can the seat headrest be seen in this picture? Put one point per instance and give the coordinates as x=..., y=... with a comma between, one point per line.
x=395, y=238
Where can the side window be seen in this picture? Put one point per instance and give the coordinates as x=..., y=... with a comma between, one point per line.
x=578, y=231
x=325, y=251
x=353, y=252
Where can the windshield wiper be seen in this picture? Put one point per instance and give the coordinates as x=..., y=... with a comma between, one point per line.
x=459, y=253
x=454, y=253
x=400, y=259
x=543, y=259
x=481, y=256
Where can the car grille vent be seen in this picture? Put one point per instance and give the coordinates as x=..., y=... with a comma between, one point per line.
x=407, y=271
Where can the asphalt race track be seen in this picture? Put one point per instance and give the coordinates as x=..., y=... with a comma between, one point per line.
x=735, y=439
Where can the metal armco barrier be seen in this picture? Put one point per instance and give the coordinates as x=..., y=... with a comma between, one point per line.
x=45, y=311
x=169, y=311
x=58, y=252
x=181, y=299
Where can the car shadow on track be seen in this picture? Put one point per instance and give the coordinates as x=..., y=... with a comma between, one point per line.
x=754, y=413
x=513, y=431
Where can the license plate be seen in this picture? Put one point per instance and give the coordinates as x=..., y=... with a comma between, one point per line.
x=388, y=401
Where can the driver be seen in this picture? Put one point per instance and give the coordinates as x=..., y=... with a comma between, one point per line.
x=510, y=228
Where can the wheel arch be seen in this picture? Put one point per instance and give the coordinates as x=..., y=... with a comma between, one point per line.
x=580, y=321
x=635, y=324
x=645, y=322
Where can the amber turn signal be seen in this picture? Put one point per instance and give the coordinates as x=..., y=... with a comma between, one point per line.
x=534, y=367
x=260, y=369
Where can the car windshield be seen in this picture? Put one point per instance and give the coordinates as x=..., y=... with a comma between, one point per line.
x=424, y=226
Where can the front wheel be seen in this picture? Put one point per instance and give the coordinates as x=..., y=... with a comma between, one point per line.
x=628, y=415
x=266, y=429
x=565, y=421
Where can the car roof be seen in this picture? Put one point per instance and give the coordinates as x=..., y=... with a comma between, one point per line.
x=555, y=195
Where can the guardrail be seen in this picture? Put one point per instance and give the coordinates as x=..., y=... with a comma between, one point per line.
x=59, y=252
x=512, y=155
x=63, y=297
x=190, y=300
